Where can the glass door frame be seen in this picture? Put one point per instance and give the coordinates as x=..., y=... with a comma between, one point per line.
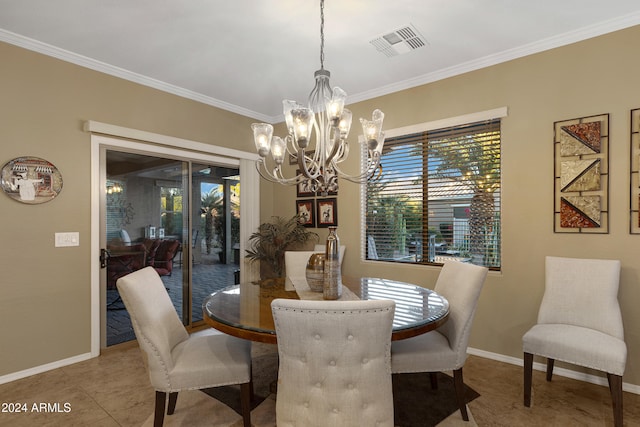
x=176, y=148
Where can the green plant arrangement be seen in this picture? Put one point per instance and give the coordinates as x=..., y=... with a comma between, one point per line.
x=272, y=239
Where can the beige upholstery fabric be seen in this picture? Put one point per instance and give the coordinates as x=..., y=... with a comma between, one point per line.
x=295, y=263
x=334, y=363
x=445, y=348
x=579, y=319
x=177, y=361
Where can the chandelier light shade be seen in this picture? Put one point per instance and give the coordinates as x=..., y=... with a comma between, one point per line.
x=317, y=136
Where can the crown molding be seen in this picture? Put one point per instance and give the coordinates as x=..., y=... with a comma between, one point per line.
x=580, y=34
x=567, y=38
x=83, y=61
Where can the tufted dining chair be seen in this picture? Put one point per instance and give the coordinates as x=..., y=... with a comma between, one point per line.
x=445, y=349
x=579, y=322
x=178, y=361
x=334, y=363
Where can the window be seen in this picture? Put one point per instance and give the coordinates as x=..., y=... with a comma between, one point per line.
x=437, y=197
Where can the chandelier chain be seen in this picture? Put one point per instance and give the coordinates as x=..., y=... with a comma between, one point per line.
x=322, y=34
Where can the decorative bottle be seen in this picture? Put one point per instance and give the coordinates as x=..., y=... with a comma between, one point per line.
x=332, y=277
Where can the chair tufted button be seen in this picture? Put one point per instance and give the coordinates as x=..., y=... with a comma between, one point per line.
x=365, y=360
x=332, y=363
x=306, y=404
x=335, y=410
x=350, y=337
x=317, y=336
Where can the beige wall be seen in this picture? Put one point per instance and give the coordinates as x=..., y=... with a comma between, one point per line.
x=44, y=291
x=44, y=305
x=589, y=78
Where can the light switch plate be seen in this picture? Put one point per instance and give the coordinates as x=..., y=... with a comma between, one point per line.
x=67, y=239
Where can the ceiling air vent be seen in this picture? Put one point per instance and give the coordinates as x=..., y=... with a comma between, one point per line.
x=399, y=41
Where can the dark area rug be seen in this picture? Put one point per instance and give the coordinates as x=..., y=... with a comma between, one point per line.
x=416, y=404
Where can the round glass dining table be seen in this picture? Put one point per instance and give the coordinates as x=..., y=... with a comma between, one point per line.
x=244, y=310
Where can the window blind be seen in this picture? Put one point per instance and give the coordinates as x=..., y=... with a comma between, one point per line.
x=437, y=197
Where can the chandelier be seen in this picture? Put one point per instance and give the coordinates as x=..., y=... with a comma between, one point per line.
x=326, y=119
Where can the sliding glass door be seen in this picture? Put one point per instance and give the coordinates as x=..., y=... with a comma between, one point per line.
x=177, y=216
x=215, y=219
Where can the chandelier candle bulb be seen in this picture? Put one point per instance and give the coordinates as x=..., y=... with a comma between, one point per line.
x=262, y=134
x=345, y=123
x=278, y=148
x=335, y=105
x=302, y=119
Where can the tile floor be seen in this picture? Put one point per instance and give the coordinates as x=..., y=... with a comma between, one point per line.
x=113, y=390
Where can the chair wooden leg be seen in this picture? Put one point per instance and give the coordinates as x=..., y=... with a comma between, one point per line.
x=615, y=385
x=528, y=372
x=459, y=386
x=173, y=398
x=549, y=368
x=433, y=376
x=245, y=402
x=252, y=396
x=158, y=417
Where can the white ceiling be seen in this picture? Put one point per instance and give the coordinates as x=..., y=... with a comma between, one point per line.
x=247, y=55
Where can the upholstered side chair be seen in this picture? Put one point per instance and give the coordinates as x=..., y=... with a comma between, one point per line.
x=579, y=322
x=445, y=349
x=177, y=361
x=334, y=363
x=295, y=263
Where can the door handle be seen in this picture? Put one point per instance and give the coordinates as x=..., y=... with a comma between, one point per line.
x=104, y=256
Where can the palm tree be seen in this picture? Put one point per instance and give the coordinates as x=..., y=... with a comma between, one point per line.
x=472, y=161
x=211, y=206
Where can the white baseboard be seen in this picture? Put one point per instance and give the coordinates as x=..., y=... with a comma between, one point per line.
x=580, y=376
x=44, y=368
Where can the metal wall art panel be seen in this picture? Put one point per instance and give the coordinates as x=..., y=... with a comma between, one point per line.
x=634, y=226
x=581, y=175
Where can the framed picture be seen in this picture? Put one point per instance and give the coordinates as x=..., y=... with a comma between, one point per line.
x=327, y=212
x=306, y=212
x=328, y=193
x=304, y=188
